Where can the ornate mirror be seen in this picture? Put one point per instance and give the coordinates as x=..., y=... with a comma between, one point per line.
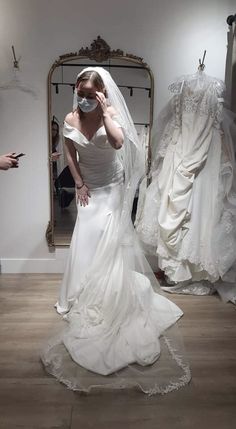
x=135, y=80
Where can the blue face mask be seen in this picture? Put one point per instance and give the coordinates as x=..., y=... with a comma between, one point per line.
x=86, y=105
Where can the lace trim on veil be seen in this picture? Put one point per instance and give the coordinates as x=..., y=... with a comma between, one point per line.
x=54, y=365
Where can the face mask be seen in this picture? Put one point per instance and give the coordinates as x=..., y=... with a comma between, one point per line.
x=86, y=105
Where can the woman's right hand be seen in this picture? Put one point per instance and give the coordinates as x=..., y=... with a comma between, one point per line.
x=8, y=161
x=83, y=195
x=55, y=156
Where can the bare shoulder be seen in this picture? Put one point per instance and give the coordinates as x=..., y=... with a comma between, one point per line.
x=71, y=118
x=112, y=111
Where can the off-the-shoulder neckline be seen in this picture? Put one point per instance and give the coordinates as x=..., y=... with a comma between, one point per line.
x=89, y=140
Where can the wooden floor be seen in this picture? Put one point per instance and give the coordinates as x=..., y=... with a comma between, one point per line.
x=30, y=398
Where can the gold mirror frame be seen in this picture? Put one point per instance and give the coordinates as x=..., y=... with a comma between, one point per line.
x=99, y=51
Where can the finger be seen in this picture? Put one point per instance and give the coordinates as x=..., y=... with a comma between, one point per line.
x=81, y=200
x=99, y=96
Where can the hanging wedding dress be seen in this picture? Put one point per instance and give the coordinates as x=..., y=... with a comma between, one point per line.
x=188, y=218
x=120, y=330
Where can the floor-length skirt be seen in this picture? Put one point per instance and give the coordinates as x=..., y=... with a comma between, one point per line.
x=119, y=328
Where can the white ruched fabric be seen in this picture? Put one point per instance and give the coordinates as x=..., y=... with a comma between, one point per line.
x=189, y=215
x=115, y=335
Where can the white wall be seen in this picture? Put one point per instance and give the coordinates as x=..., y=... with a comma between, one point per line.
x=169, y=34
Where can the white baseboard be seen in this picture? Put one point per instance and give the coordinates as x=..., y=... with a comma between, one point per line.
x=47, y=265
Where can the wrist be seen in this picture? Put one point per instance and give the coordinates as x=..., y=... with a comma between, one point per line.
x=79, y=185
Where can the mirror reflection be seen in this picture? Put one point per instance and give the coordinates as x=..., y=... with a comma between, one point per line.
x=134, y=80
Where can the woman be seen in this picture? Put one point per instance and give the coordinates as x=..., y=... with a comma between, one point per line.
x=61, y=174
x=116, y=322
x=55, y=142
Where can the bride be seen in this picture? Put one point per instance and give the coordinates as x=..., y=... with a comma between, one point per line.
x=120, y=329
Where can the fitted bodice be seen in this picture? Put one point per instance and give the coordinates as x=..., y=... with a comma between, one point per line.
x=98, y=161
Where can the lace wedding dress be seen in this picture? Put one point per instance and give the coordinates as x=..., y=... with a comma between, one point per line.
x=188, y=218
x=119, y=327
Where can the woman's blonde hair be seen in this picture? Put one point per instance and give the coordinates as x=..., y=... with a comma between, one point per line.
x=93, y=77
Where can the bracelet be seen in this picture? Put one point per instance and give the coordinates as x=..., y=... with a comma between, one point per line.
x=79, y=187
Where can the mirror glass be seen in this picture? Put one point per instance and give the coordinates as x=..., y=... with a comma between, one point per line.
x=134, y=79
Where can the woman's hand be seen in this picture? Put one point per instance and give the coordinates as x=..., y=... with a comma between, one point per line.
x=8, y=161
x=55, y=156
x=83, y=195
x=100, y=97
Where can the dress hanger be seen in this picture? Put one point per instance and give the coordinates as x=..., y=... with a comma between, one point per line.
x=202, y=66
x=16, y=83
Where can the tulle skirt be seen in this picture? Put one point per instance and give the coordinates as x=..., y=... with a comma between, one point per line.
x=120, y=330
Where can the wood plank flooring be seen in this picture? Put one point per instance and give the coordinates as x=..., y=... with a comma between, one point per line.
x=32, y=399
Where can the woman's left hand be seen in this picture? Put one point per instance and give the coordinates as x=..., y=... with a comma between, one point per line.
x=100, y=97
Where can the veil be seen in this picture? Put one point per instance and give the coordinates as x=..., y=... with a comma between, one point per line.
x=135, y=301
x=132, y=153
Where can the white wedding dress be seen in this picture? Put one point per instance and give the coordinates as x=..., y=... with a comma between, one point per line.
x=120, y=331
x=188, y=216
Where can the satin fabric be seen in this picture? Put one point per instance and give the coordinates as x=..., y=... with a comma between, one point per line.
x=189, y=214
x=115, y=317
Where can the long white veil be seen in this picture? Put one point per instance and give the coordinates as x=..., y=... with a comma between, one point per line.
x=132, y=153
x=131, y=301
